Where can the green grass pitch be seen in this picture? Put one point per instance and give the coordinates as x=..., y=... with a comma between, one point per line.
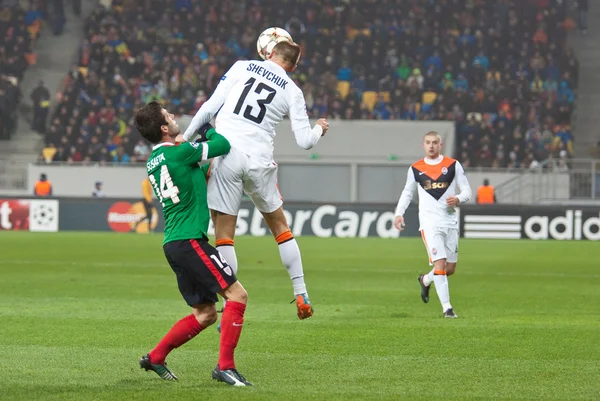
x=77, y=310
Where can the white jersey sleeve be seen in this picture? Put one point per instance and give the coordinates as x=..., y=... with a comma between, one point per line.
x=407, y=194
x=463, y=184
x=215, y=102
x=306, y=137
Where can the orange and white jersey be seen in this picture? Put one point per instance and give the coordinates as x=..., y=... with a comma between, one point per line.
x=436, y=180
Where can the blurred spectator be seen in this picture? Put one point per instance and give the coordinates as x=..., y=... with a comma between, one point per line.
x=40, y=98
x=486, y=194
x=97, y=192
x=9, y=101
x=497, y=69
x=42, y=187
x=49, y=152
x=19, y=31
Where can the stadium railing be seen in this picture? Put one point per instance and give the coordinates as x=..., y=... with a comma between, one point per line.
x=341, y=180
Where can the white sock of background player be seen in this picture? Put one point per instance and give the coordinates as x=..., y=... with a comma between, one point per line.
x=441, y=287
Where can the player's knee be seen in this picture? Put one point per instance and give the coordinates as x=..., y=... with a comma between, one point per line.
x=276, y=222
x=236, y=293
x=440, y=264
x=206, y=317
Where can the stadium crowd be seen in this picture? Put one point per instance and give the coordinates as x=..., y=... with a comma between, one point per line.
x=19, y=30
x=501, y=70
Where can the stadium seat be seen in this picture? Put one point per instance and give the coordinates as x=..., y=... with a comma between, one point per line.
x=386, y=96
x=369, y=99
x=343, y=88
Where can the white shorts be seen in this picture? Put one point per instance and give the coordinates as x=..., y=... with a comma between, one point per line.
x=441, y=243
x=237, y=172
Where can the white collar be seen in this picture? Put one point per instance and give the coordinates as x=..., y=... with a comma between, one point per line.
x=433, y=162
x=158, y=145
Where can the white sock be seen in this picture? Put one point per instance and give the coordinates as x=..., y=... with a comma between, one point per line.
x=441, y=287
x=290, y=256
x=228, y=252
x=428, y=278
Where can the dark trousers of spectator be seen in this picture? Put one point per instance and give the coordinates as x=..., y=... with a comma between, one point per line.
x=40, y=116
x=582, y=16
x=8, y=124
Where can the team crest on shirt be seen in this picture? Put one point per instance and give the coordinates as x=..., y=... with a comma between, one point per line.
x=434, y=251
x=444, y=170
x=194, y=145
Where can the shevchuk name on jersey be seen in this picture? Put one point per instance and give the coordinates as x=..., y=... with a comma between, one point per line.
x=248, y=128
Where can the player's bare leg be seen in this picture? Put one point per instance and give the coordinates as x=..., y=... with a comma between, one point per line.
x=231, y=329
x=203, y=315
x=440, y=280
x=450, y=268
x=291, y=258
x=224, y=234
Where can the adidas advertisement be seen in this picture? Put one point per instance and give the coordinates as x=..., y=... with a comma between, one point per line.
x=531, y=222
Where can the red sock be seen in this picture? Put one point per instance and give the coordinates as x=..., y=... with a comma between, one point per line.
x=182, y=332
x=231, y=328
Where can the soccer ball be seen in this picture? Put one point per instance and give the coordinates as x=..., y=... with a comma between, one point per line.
x=269, y=38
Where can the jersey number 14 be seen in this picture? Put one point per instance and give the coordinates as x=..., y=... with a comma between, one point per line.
x=261, y=102
x=166, y=189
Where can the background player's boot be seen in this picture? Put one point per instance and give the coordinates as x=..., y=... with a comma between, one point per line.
x=450, y=314
x=230, y=376
x=424, y=289
x=305, y=309
x=160, y=370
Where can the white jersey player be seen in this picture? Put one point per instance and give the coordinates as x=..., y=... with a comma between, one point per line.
x=438, y=179
x=251, y=99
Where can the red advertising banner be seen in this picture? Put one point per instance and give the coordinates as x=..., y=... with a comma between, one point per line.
x=29, y=215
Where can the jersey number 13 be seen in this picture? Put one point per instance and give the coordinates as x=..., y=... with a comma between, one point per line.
x=261, y=102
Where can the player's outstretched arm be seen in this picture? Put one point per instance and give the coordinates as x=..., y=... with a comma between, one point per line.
x=214, y=103
x=306, y=137
x=405, y=198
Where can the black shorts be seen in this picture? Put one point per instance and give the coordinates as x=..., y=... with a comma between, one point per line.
x=201, y=271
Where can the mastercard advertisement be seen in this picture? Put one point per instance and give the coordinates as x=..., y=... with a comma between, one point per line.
x=124, y=217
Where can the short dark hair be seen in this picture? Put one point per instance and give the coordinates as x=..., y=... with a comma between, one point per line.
x=486, y=182
x=148, y=121
x=289, y=52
